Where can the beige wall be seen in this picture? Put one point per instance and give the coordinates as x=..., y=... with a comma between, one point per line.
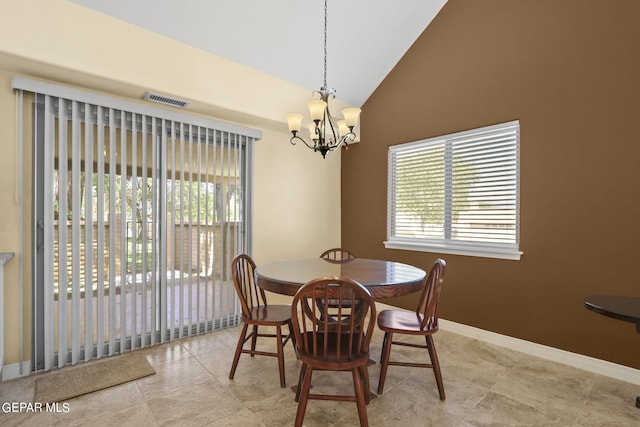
x=569, y=71
x=65, y=43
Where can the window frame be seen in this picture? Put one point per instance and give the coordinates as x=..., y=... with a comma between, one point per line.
x=448, y=245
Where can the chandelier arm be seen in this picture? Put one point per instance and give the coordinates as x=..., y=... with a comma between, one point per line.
x=293, y=141
x=346, y=139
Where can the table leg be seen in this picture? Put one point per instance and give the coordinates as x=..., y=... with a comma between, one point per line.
x=638, y=401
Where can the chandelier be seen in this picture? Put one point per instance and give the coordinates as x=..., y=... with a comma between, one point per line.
x=325, y=133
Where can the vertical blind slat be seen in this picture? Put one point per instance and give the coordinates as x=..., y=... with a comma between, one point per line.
x=21, y=248
x=132, y=233
x=181, y=237
x=161, y=246
x=123, y=231
x=48, y=231
x=156, y=267
x=112, y=231
x=217, y=284
x=189, y=240
x=63, y=234
x=207, y=221
x=143, y=232
x=100, y=249
x=199, y=319
x=75, y=232
x=88, y=234
x=223, y=211
x=172, y=302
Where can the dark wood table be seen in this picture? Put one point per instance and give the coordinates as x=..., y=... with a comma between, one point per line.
x=617, y=307
x=383, y=279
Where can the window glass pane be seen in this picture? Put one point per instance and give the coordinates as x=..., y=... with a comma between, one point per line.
x=419, y=193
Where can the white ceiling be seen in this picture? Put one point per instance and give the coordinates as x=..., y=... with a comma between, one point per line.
x=284, y=38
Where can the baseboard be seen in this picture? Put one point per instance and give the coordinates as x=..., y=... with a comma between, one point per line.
x=591, y=364
x=10, y=372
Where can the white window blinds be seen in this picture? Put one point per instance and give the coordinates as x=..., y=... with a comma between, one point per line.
x=457, y=193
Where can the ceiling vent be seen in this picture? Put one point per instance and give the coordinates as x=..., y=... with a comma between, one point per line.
x=166, y=100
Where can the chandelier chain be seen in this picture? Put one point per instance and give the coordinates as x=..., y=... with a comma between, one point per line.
x=325, y=44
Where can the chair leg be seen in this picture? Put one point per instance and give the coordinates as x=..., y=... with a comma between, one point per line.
x=304, y=396
x=364, y=374
x=292, y=336
x=280, y=351
x=384, y=359
x=384, y=345
x=236, y=357
x=436, y=365
x=254, y=339
x=361, y=400
x=303, y=369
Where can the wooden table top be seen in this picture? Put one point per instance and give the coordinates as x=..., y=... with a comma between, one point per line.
x=383, y=279
x=619, y=307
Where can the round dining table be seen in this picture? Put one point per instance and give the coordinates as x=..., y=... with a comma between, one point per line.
x=383, y=279
x=624, y=308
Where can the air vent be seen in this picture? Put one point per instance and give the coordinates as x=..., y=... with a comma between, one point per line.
x=167, y=100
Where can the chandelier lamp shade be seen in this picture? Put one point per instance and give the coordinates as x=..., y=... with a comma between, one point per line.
x=325, y=132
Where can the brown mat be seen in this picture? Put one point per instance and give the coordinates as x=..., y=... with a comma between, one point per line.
x=89, y=377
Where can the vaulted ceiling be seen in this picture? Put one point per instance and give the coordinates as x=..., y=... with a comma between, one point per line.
x=285, y=38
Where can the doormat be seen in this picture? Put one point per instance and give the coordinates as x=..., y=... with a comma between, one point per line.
x=89, y=377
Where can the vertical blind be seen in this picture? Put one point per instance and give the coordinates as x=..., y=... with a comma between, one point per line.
x=459, y=191
x=142, y=210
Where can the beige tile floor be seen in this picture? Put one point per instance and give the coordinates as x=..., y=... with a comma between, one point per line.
x=486, y=385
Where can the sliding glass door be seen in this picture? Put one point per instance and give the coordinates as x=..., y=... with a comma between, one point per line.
x=137, y=216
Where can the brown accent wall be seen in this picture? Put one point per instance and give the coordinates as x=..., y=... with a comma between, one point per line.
x=569, y=70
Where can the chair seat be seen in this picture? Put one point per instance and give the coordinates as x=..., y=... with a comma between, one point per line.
x=270, y=314
x=403, y=321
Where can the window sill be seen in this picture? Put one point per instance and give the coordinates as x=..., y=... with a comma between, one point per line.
x=457, y=249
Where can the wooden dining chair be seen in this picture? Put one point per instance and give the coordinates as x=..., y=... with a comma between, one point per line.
x=338, y=255
x=343, y=346
x=256, y=313
x=424, y=321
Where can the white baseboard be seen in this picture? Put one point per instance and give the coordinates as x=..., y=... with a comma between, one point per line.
x=591, y=364
x=10, y=372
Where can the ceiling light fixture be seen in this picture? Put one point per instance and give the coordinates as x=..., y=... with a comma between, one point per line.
x=326, y=134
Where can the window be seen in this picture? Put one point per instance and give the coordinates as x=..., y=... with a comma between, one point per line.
x=457, y=194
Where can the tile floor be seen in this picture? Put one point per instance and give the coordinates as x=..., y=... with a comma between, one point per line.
x=486, y=385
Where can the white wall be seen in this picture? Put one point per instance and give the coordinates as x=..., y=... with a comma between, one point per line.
x=297, y=193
